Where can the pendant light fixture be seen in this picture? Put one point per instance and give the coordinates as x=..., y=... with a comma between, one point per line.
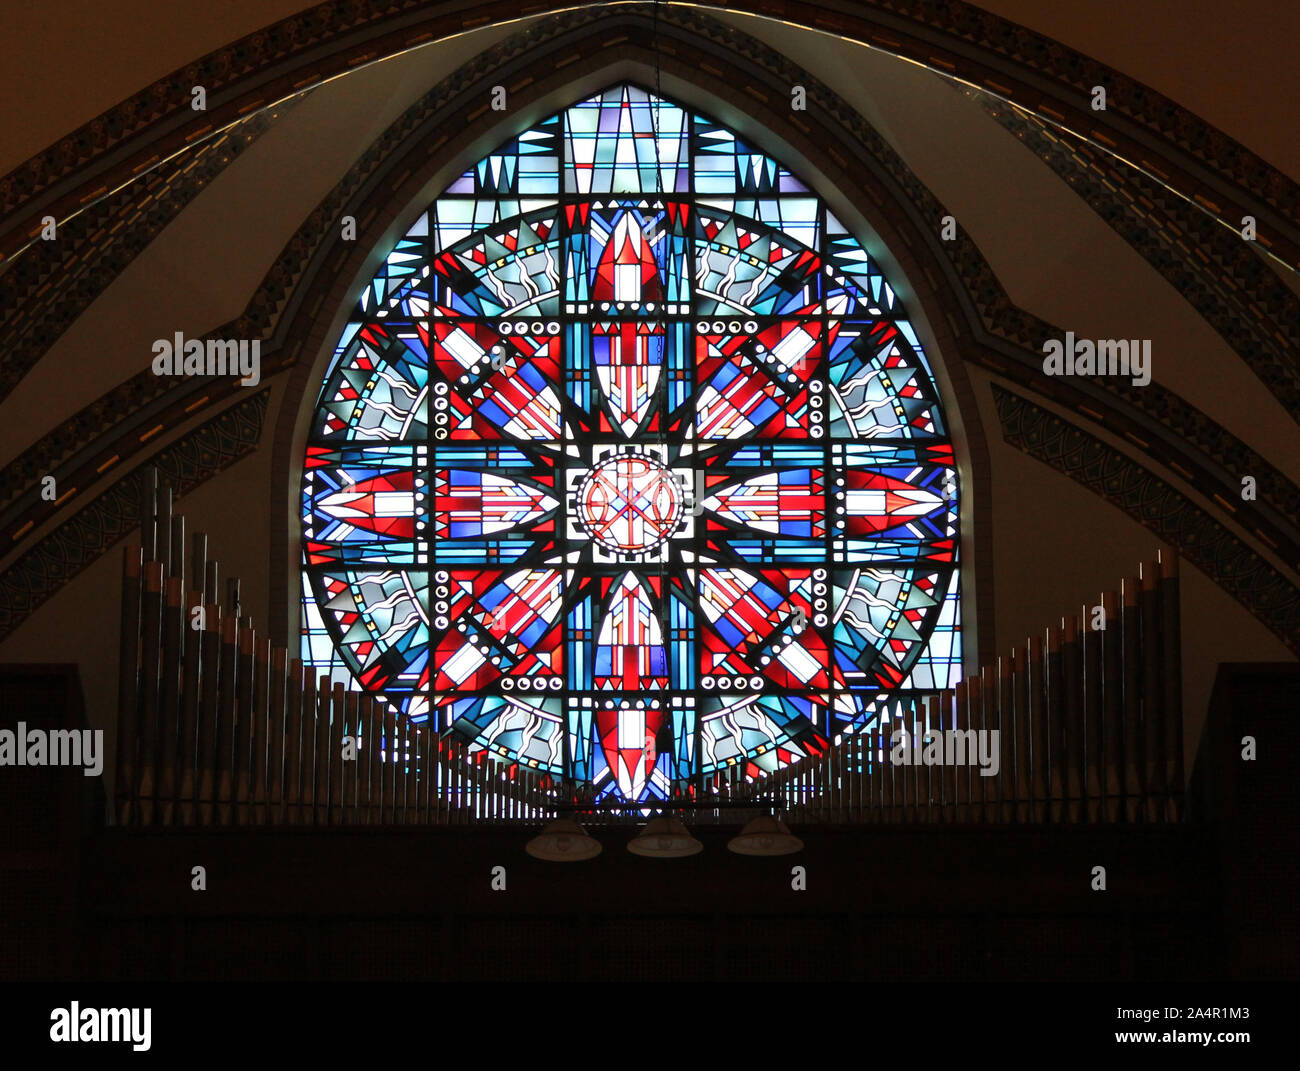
x=563, y=841
x=665, y=838
x=765, y=835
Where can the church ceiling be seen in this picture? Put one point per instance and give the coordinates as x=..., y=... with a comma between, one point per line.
x=989, y=329
x=52, y=283
x=88, y=534
x=1127, y=485
x=951, y=37
x=1230, y=286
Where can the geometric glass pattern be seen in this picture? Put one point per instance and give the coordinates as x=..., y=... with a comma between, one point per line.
x=628, y=466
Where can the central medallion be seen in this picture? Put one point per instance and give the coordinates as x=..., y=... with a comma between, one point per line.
x=629, y=502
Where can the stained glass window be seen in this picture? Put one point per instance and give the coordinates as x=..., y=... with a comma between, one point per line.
x=629, y=467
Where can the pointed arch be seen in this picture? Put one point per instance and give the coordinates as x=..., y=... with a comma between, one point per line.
x=637, y=312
